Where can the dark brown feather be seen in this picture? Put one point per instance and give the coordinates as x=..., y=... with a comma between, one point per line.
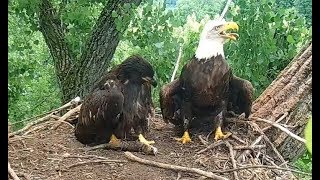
x=204, y=89
x=113, y=102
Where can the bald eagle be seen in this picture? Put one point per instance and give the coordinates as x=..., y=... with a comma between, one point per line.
x=117, y=104
x=206, y=88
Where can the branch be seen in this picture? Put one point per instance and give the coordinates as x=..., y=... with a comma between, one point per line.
x=234, y=163
x=67, y=105
x=225, y=9
x=277, y=121
x=176, y=66
x=66, y=116
x=211, y=146
x=92, y=156
x=11, y=172
x=95, y=161
x=133, y=146
x=262, y=166
x=281, y=128
x=29, y=125
x=252, y=145
x=132, y=157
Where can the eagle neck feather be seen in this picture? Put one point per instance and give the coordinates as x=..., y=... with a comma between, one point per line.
x=208, y=48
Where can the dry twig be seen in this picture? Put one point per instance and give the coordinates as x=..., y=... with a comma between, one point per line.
x=233, y=161
x=132, y=157
x=95, y=161
x=211, y=146
x=277, y=121
x=25, y=175
x=11, y=172
x=91, y=156
x=249, y=147
x=66, y=116
x=29, y=125
x=176, y=66
x=261, y=166
x=204, y=142
x=248, y=151
x=133, y=146
x=281, y=128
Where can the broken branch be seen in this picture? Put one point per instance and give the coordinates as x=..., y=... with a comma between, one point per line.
x=95, y=161
x=132, y=157
x=233, y=161
x=29, y=125
x=12, y=174
x=261, y=166
x=66, y=116
x=211, y=146
x=133, y=146
x=281, y=128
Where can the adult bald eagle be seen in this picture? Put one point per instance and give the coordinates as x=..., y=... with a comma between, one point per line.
x=115, y=104
x=206, y=87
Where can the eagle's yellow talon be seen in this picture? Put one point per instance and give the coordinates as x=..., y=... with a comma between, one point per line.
x=114, y=140
x=185, y=138
x=144, y=141
x=219, y=135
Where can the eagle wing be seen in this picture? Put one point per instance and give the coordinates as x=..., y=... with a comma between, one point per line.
x=170, y=102
x=241, y=96
x=99, y=115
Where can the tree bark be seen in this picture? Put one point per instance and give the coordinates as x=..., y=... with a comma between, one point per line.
x=290, y=92
x=77, y=76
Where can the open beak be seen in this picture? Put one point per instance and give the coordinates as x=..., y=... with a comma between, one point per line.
x=150, y=81
x=227, y=27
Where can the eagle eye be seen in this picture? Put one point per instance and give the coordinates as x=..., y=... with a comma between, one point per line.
x=217, y=27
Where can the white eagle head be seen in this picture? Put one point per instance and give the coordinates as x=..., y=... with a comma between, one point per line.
x=213, y=36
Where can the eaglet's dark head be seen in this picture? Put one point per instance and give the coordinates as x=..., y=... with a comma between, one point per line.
x=136, y=69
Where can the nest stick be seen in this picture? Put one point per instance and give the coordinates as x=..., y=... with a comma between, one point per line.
x=252, y=144
x=233, y=161
x=176, y=66
x=262, y=166
x=12, y=174
x=29, y=125
x=95, y=161
x=66, y=116
x=281, y=128
x=277, y=121
x=133, y=146
x=132, y=157
x=211, y=146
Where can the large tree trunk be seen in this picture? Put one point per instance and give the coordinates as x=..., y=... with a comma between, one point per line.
x=77, y=76
x=290, y=92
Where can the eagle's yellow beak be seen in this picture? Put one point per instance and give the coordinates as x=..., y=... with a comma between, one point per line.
x=229, y=26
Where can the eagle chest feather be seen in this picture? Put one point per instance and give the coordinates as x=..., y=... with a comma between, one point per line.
x=207, y=80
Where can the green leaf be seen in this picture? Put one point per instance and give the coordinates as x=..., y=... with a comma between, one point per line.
x=308, y=135
x=290, y=39
x=36, y=42
x=114, y=14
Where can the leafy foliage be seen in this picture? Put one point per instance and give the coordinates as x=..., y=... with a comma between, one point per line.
x=268, y=40
x=304, y=163
x=32, y=87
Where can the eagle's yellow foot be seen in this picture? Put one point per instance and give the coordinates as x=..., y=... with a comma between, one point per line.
x=185, y=138
x=144, y=141
x=114, y=140
x=219, y=135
